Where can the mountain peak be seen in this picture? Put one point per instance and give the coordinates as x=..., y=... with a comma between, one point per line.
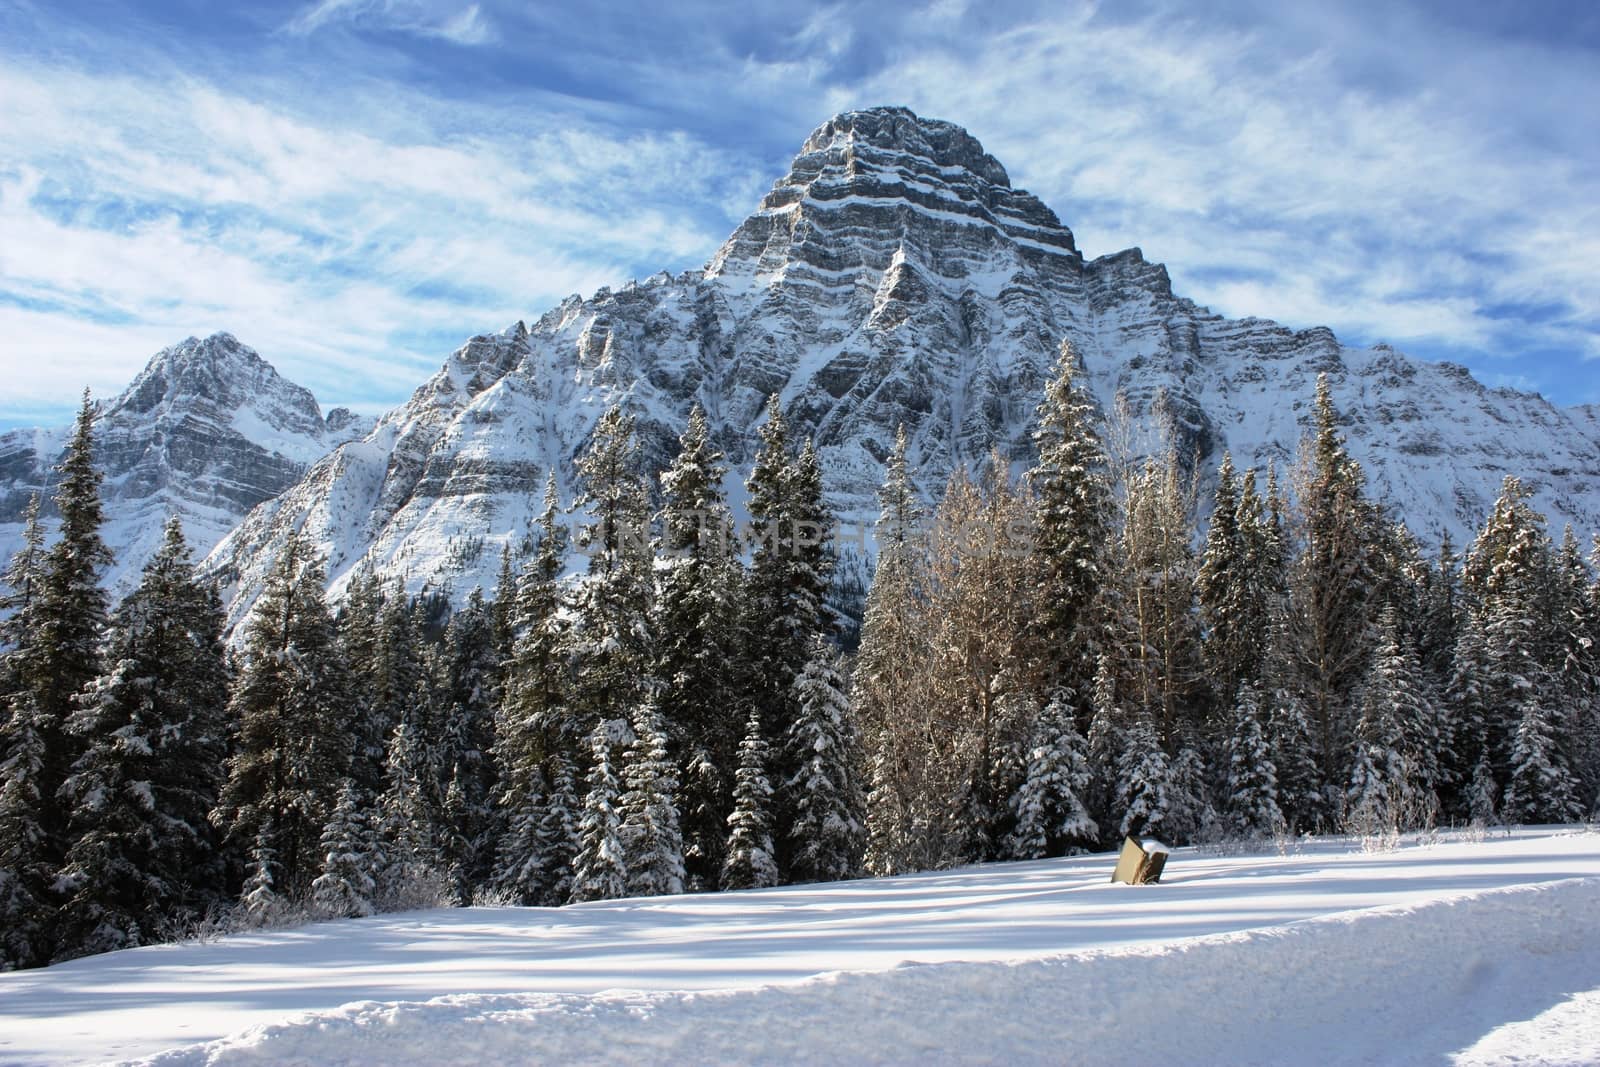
x=899, y=129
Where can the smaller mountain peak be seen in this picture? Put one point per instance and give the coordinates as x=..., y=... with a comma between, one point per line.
x=899, y=129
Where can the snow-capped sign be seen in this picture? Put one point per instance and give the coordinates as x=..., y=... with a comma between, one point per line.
x=1140, y=862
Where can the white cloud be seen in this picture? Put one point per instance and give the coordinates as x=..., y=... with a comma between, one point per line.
x=463, y=25
x=147, y=210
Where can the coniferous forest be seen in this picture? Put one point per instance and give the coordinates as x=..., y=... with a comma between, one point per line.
x=1049, y=659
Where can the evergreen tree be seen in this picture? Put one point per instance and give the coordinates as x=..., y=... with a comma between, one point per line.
x=154, y=737
x=697, y=604
x=1389, y=786
x=471, y=694
x=1051, y=818
x=60, y=615
x=788, y=581
x=559, y=833
x=1072, y=528
x=1251, y=796
x=828, y=834
x=749, y=862
x=25, y=873
x=1107, y=742
x=599, y=870
x=1145, y=788
x=292, y=709
x=1300, y=797
x=261, y=899
x=411, y=806
x=611, y=639
x=1220, y=587
x=1333, y=585
x=536, y=733
x=652, y=842
x=346, y=887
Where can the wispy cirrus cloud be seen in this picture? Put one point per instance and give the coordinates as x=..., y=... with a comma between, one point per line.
x=459, y=24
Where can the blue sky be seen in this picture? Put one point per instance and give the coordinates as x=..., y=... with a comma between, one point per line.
x=353, y=187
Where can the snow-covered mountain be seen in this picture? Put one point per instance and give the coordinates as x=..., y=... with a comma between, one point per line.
x=895, y=276
x=207, y=431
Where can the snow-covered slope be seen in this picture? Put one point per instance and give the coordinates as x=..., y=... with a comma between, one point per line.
x=895, y=276
x=1326, y=954
x=208, y=430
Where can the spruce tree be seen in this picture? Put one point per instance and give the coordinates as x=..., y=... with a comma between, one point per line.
x=699, y=582
x=536, y=733
x=1145, y=783
x=154, y=737
x=1107, y=741
x=25, y=871
x=788, y=581
x=1333, y=585
x=1051, y=818
x=828, y=834
x=58, y=625
x=611, y=642
x=471, y=694
x=652, y=842
x=292, y=706
x=599, y=870
x=1251, y=794
x=411, y=805
x=1388, y=788
x=749, y=862
x=1072, y=528
x=346, y=887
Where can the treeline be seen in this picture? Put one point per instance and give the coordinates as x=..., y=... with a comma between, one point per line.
x=1047, y=662
x=1090, y=666
x=674, y=719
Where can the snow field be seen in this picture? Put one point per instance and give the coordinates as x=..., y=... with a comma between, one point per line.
x=1327, y=954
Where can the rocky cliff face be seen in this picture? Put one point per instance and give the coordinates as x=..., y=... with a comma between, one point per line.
x=894, y=276
x=207, y=431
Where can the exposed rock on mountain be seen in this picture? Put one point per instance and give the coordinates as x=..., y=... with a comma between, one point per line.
x=208, y=430
x=894, y=275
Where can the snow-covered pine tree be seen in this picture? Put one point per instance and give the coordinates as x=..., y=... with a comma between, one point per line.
x=1301, y=796
x=1220, y=585
x=611, y=643
x=1107, y=741
x=1072, y=528
x=1332, y=585
x=699, y=582
x=559, y=834
x=1510, y=573
x=535, y=730
x=347, y=886
x=1388, y=787
x=143, y=854
x=787, y=584
x=652, y=843
x=262, y=902
x=387, y=684
x=471, y=693
x=25, y=871
x=1145, y=787
x=292, y=709
x=599, y=870
x=1251, y=794
x=749, y=862
x=1051, y=819
x=411, y=805
x=828, y=834
x=66, y=620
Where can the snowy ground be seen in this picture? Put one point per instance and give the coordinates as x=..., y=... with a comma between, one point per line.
x=1460, y=951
